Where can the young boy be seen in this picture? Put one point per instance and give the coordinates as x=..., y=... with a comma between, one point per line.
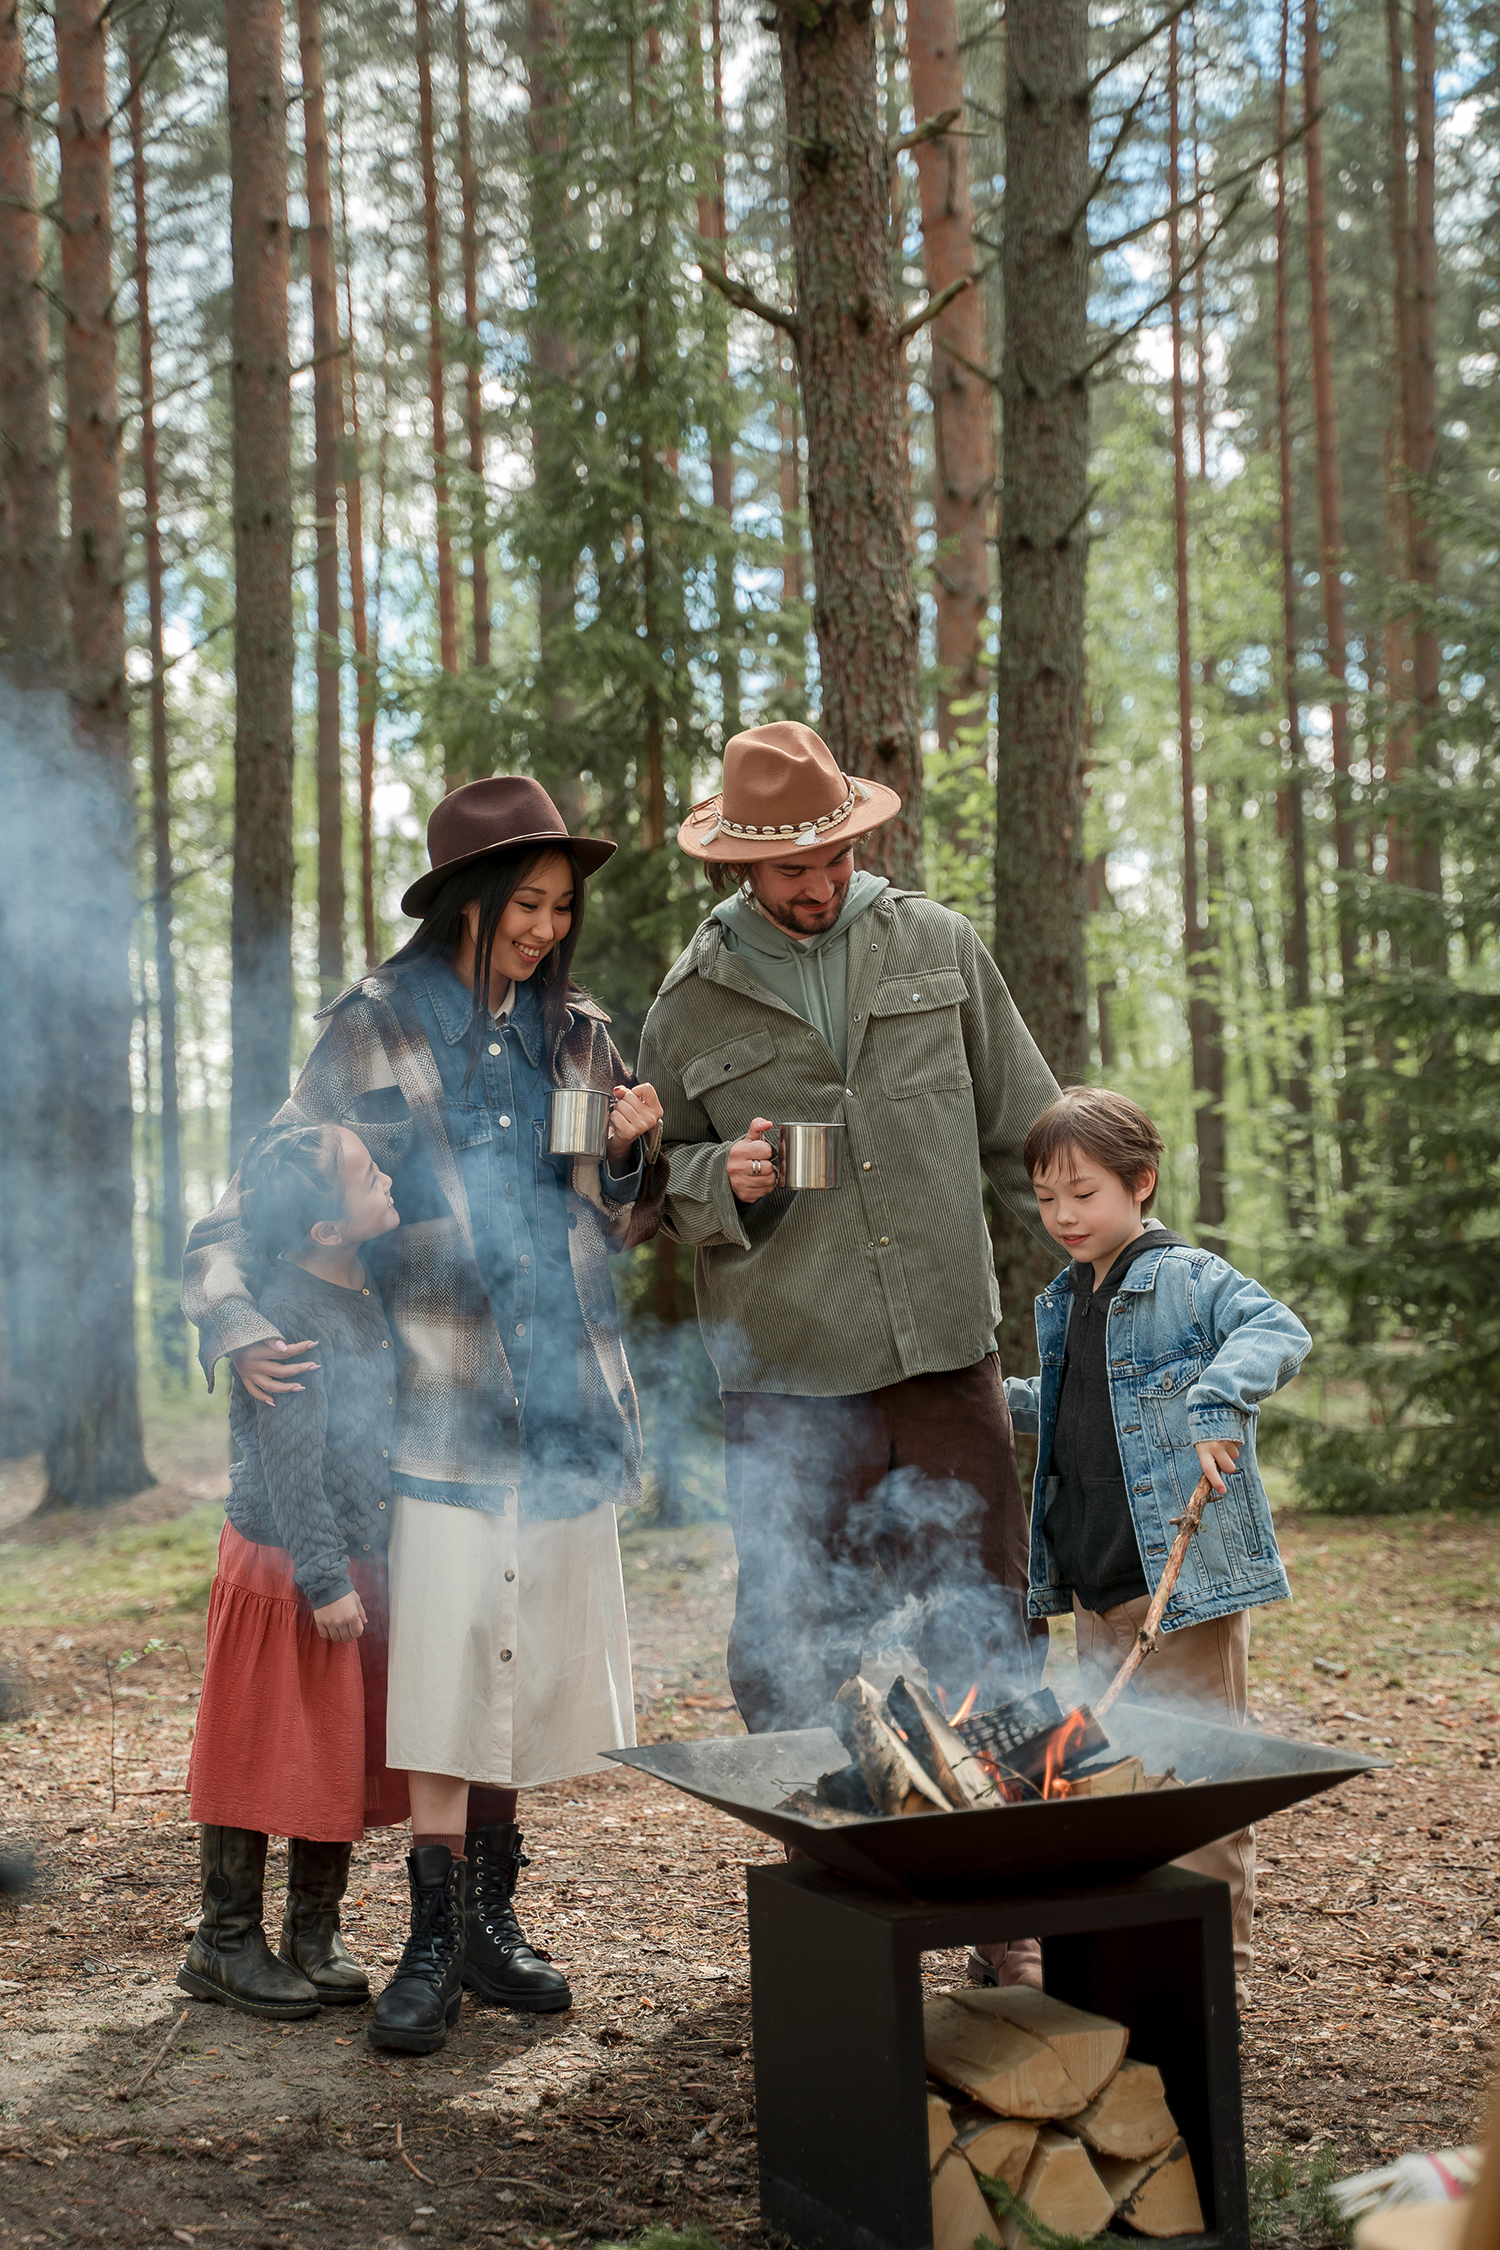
x=1155, y=1357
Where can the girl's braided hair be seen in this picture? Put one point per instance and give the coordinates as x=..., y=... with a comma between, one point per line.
x=289, y=1180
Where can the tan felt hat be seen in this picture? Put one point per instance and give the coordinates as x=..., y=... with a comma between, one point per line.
x=783, y=791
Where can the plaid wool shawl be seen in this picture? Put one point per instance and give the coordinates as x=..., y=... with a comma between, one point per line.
x=457, y=1429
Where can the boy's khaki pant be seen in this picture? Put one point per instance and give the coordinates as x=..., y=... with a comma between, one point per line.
x=1204, y=1669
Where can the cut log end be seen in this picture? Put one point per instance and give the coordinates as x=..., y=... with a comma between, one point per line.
x=1090, y=2048
x=1129, y=2120
x=1157, y=2196
x=1063, y=2190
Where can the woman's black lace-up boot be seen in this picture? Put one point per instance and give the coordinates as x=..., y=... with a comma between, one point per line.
x=499, y=1964
x=423, y=1998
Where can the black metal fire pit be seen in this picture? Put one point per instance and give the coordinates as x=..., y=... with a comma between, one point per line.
x=985, y=1851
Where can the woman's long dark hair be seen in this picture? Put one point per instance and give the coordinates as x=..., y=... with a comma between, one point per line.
x=491, y=884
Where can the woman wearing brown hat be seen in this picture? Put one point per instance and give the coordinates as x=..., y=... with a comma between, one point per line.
x=516, y=1423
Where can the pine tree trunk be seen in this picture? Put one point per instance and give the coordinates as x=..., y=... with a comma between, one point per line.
x=1039, y=878
x=93, y=1440
x=1421, y=430
x=32, y=618
x=713, y=225
x=850, y=354
x=261, y=915
x=1398, y=633
x=173, y=1217
x=367, y=688
x=479, y=533
x=963, y=476
x=447, y=613
x=1205, y=1031
x=328, y=441
x=793, y=589
x=1296, y=942
x=552, y=367
x=1330, y=496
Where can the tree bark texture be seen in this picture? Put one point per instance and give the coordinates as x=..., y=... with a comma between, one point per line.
x=713, y=225
x=366, y=683
x=32, y=617
x=93, y=1443
x=436, y=345
x=1400, y=690
x=1205, y=1030
x=261, y=915
x=328, y=442
x=479, y=526
x=552, y=372
x=1330, y=493
x=963, y=476
x=173, y=1217
x=1296, y=941
x=1039, y=871
x=1421, y=420
x=850, y=354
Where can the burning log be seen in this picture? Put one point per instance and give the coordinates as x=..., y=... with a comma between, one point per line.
x=1032, y=1739
x=995, y=2062
x=1130, y=2119
x=1111, y=1781
x=1061, y=2186
x=944, y=1754
x=1157, y=2197
x=891, y=1773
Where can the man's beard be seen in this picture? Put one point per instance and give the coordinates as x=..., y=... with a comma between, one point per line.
x=804, y=921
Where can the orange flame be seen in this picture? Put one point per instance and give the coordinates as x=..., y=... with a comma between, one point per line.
x=1063, y=1743
x=966, y=1706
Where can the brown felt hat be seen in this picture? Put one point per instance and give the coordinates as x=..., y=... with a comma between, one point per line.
x=494, y=816
x=783, y=791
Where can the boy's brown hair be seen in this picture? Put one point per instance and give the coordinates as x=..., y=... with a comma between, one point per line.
x=1110, y=1128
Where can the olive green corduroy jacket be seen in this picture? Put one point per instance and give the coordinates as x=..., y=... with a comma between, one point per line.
x=891, y=1274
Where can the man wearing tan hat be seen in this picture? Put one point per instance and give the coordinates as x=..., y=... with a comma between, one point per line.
x=853, y=1330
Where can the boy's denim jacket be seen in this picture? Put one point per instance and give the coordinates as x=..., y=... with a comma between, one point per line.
x=1193, y=1348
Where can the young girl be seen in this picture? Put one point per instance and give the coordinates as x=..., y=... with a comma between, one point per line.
x=291, y=1725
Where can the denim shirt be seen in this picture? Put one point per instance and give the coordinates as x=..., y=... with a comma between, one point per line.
x=518, y=1207
x=1193, y=1348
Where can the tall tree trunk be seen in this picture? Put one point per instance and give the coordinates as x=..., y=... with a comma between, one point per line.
x=173, y=1217
x=33, y=632
x=713, y=225
x=850, y=351
x=93, y=1440
x=1398, y=631
x=1205, y=1031
x=793, y=590
x=1039, y=878
x=1296, y=942
x=261, y=916
x=1330, y=495
x=479, y=531
x=963, y=475
x=1421, y=427
x=32, y=617
x=552, y=370
x=328, y=442
x=436, y=353
x=367, y=684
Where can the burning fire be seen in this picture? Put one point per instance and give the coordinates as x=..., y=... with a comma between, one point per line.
x=965, y=1707
x=1064, y=1742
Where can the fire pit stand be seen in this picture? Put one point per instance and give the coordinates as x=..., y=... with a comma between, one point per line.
x=836, y=1998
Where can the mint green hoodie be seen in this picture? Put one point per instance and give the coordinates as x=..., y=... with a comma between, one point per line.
x=809, y=974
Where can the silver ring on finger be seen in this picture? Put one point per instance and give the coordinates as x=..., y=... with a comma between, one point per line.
x=755, y=1167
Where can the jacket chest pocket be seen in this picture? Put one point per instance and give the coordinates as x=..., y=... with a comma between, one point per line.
x=470, y=1132
x=917, y=1034
x=732, y=1082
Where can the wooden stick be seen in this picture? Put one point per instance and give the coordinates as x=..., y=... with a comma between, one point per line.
x=128, y=2094
x=406, y=2160
x=1145, y=1639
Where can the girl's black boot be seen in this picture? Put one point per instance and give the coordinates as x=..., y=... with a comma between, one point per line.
x=422, y=2000
x=499, y=1963
x=317, y=1878
x=229, y=1959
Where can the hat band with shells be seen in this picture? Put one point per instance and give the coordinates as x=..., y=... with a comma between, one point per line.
x=801, y=831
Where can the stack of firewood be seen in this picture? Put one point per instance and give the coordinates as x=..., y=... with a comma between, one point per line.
x=1041, y=2096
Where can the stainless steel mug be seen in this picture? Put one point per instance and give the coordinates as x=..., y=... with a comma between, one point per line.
x=808, y=1155
x=578, y=1122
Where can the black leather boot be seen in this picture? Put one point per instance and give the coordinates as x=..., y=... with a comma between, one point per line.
x=229, y=1959
x=498, y=1963
x=317, y=1878
x=423, y=1998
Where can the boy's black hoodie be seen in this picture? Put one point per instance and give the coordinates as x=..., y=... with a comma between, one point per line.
x=1089, y=1525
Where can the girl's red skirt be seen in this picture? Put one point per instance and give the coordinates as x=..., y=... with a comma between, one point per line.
x=291, y=1728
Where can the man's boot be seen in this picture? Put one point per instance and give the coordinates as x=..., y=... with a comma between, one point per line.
x=1006, y=1961
x=498, y=1963
x=423, y=1998
x=229, y=1959
x=317, y=1878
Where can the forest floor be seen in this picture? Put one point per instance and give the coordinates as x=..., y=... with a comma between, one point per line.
x=1372, y=2029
